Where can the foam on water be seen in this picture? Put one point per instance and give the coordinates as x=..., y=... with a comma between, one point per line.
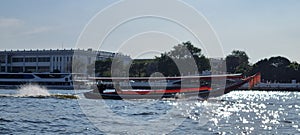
x=32, y=90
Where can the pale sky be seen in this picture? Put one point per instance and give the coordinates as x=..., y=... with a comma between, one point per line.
x=261, y=28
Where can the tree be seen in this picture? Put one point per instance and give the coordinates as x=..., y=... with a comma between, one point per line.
x=279, y=61
x=185, y=56
x=294, y=65
x=166, y=65
x=137, y=68
x=142, y=67
x=278, y=69
x=238, y=62
x=102, y=67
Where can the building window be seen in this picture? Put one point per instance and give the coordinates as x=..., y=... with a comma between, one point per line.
x=2, y=69
x=44, y=59
x=30, y=59
x=89, y=60
x=17, y=60
x=17, y=69
x=2, y=58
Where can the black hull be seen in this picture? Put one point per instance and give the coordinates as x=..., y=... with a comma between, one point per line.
x=204, y=94
x=95, y=95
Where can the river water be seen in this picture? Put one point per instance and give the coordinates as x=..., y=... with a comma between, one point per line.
x=238, y=112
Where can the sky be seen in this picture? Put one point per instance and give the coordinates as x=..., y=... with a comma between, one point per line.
x=260, y=28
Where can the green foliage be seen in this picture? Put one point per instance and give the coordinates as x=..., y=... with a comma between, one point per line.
x=166, y=65
x=238, y=62
x=102, y=68
x=295, y=66
x=142, y=67
x=278, y=69
x=183, y=54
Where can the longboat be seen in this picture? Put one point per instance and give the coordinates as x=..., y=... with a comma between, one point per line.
x=119, y=88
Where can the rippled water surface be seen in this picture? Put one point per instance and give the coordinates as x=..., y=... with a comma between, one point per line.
x=239, y=112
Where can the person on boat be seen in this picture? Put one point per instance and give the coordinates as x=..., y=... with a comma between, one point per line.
x=101, y=87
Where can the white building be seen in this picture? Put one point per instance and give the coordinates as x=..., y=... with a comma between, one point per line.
x=49, y=60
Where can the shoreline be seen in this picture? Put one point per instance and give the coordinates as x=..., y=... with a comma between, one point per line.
x=291, y=87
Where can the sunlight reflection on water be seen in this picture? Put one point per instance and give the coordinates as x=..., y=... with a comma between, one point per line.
x=239, y=112
x=246, y=112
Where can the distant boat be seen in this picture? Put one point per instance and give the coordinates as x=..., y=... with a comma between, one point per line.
x=166, y=87
x=48, y=80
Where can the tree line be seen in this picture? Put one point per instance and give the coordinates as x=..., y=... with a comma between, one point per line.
x=273, y=69
x=183, y=59
x=186, y=59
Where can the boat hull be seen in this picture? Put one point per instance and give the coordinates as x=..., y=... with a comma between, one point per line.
x=120, y=96
x=203, y=92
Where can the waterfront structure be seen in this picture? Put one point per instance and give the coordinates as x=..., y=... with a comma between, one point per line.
x=38, y=61
x=48, y=80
